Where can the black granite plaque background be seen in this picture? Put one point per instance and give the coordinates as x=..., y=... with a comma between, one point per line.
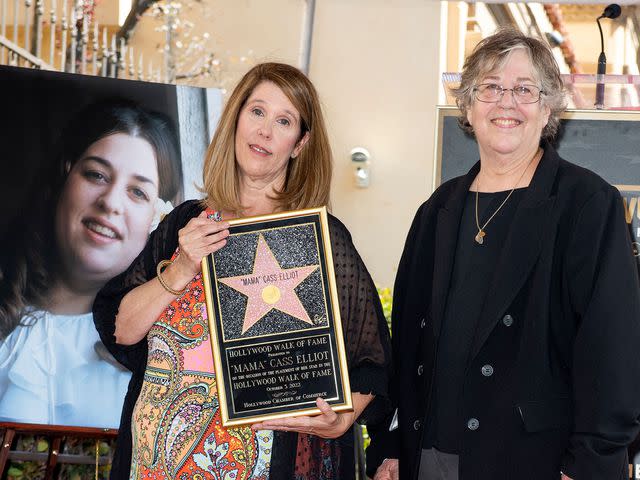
x=292, y=247
x=295, y=371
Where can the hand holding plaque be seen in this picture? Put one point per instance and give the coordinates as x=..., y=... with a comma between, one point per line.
x=328, y=424
x=274, y=320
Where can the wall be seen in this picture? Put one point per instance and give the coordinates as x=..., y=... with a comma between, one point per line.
x=375, y=64
x=241, y=32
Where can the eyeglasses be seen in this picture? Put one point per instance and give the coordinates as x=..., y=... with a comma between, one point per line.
x=492, y=93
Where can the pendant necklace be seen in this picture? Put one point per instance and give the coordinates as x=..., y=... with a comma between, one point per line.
x=479, y=238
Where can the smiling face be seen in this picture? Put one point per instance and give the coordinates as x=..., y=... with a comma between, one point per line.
x=507, y=128
x=106, y=207
x=267, y=135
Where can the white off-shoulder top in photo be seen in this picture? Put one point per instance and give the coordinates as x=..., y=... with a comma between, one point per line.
x=51, y=373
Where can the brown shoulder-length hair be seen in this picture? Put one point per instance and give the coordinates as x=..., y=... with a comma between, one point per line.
x=308, y=178
x=28, y=267
x=491, y=53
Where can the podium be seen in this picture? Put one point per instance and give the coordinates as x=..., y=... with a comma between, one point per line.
x=621, y=92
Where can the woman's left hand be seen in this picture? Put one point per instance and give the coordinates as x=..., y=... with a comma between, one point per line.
x=328, y=424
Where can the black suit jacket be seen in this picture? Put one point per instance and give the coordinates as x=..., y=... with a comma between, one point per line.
x=560, y=328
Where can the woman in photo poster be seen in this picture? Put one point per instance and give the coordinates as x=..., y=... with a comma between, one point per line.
x=117, y=166
x=270, y=153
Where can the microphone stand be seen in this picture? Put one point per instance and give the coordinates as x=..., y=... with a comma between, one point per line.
x=602, y=70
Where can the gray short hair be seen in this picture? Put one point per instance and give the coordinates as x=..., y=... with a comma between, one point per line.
x=491, y=53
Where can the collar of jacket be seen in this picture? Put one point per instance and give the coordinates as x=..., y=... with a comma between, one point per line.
x=518, y=256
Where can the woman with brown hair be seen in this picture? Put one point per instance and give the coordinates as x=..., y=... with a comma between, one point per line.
x=270, y=153
x=117, y=163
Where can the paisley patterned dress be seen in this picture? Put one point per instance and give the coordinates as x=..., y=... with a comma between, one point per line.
x=176, y=425
x=170, y=426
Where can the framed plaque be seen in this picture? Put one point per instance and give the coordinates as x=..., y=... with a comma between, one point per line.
x=274, y=319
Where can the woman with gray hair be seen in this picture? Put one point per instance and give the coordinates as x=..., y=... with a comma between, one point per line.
x=517, y=303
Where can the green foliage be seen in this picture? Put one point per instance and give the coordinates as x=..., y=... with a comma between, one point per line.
x=365, y=436
x=75, y=446
x=42, y=445
x=386, y=298
x=26, y=470
x=15, y=472
x=104, y=449
x=87, y=447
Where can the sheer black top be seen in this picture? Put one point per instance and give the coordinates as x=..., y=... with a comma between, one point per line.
x=366, y=335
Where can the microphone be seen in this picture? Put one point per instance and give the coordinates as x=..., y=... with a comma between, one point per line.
x=611, y=11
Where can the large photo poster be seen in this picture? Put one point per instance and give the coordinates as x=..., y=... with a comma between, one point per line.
x=89, y=167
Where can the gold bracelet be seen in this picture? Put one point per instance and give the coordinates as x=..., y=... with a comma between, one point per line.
x=161, y=266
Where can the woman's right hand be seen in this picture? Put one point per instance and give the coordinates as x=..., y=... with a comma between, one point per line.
x=197, y=239
x=140, y=308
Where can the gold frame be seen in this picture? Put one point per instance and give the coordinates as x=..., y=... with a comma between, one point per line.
x=334, y=322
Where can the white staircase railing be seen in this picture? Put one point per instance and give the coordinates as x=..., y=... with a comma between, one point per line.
x=63, y=35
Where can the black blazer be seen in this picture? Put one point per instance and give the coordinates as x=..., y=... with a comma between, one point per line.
x=560, y=329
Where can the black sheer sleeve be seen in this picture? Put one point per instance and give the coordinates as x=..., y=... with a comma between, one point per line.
x=161, y=245
x=366, y=335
